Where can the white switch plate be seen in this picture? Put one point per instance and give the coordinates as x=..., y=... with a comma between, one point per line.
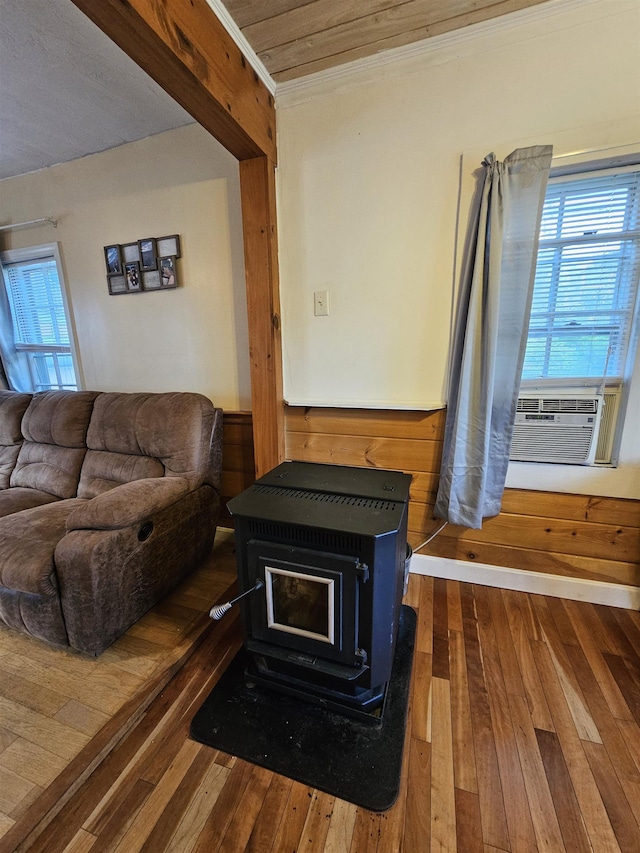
x=321, y=303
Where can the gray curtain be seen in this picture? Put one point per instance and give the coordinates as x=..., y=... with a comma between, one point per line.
x=14, y=367
x=491, y=334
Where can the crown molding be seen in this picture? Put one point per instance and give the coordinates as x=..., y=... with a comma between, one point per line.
x=462, y=36
x=220, y=11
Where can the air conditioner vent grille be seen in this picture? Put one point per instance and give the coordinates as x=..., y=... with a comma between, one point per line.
x=560, y=428
x=528, y=404
x=581, y=405
x=538, y=443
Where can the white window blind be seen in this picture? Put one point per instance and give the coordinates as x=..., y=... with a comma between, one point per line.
x=586, y=282
x=36, y=302
x=39, y=319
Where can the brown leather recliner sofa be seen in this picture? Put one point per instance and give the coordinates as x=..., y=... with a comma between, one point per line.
x=107, y=500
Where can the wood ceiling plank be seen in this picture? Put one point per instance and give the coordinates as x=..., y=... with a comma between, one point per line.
x=186, y=49
x=246, y=12
x=298, y=59
x=314, y=17
x=412, y=16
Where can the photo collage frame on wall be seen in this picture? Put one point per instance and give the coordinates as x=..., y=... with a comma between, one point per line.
x=147, y=264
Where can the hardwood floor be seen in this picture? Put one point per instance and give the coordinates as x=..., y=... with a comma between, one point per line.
x=522, y=735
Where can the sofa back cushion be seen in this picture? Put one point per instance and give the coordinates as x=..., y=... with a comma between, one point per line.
x=135, y=436
x=54, y=428
x=13, y=405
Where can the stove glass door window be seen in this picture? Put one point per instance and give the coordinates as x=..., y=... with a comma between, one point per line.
x=300, y=604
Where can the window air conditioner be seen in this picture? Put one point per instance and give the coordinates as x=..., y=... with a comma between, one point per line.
x=559, y=428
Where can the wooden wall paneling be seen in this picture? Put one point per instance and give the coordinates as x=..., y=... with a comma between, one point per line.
x=565, y=565
x=605, y=541
x=238, y=463
x=582, y=536
x=187, y=51
x=373, y=422
x=257, y=187
x=601, y=510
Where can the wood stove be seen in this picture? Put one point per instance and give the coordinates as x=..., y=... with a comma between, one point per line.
x=325, y=548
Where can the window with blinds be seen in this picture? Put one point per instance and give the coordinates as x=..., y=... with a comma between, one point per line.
x=39, y=318
x=586, y=283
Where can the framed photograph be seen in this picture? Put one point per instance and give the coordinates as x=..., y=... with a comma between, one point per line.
x=132, y=275
x=130, y=253
x=147, y=253
x=151, y=280
x=168, y=274
x=168, y=246
x=113, y=260
x=117, y=284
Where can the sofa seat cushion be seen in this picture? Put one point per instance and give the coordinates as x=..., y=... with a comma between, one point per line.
x=12, y=408
x=135, y=426
x=17, y=499
x=54, y=427
x=28, y=540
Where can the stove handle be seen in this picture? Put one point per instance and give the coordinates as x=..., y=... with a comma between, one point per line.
x=218, y=611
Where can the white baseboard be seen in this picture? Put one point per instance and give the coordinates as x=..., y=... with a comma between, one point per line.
x=522, y=580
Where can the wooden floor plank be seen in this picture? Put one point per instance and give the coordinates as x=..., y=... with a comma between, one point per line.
x=189, y=826
x=218, y=820
x=492, y=807
x=289, y=830
x=340, y=833
x=424, y=630
x=464, y=763
x=618, y=746
x=419, y=717
x=519, y=615
x=440, y=659
x=468, y=822
x=574, y=697
x=366, y=832
x=270, y=815
x=598, y=825
x=122, y=816
x=566, y=805
x=316, y=826
x=540, y=800
x=249, y=806
x=443, y=804
x=507, y=732
x=164, y=828
x=417, y=823
x=614, y=798
x=603, y=673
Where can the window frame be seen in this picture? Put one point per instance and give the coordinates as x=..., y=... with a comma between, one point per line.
x=622, y=383
x=42, y=252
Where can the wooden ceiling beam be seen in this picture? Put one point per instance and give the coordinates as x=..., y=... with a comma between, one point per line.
x=187, y=51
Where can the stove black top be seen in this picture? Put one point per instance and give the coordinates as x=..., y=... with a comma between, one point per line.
x=370, y=501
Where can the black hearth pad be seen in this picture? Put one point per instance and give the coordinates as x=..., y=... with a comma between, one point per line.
x=354, y=760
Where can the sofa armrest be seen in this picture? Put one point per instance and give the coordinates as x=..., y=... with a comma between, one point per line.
x=128, y=504
x=108, y=578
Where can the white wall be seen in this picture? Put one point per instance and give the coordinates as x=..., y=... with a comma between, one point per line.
x=368, y=187
x=180, y=182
